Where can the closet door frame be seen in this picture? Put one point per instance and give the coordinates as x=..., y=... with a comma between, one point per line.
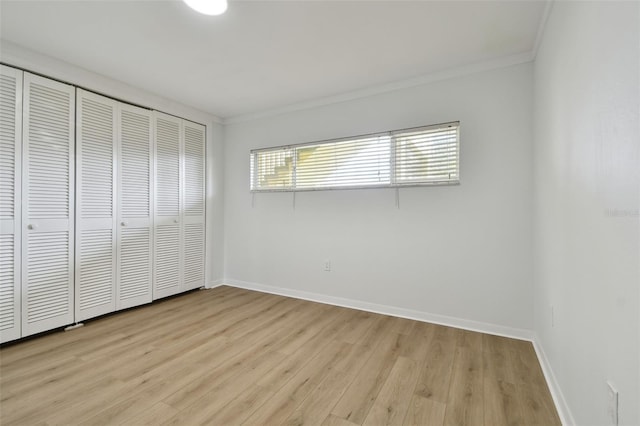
x=37, y=226
x=13, y=226
x=97, y=223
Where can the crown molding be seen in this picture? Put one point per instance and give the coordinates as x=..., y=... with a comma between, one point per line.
x=506, y=61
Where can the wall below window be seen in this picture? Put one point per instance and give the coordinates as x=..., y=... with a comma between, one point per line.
x=462, y=252
x=587, y=183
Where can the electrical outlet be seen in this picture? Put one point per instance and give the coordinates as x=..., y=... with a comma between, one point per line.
x=612, y=404
x=326, y=265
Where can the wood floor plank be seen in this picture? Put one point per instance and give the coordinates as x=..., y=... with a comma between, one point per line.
x=537, y=406
x=275, y=379
x=465, y=403
x=501, y=406
x=392, y=403
x=291, y=395
x=241, y=407
x=470, y=340
x=361, y=394
x=425, y=412
x=151, y=417
x=402, y=325
x=435, y=373
x=497, y=358
x=230, y=363
x=358, y=328
x=229, y=356
x=332, y=420
x=239, y=378
x=526, y=368
x=318, y=404
x=415, y=345
x=59, y=399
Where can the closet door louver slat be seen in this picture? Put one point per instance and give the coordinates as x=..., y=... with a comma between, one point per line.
x=193, y=170
x=95, y=214
x=10, y=206
x=168, y=228
x=193, y=217
x=134, y=208
x=194, y=255
x=48, y=200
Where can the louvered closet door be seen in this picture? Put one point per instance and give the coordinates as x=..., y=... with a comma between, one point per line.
x=48, y=204
x=167, y=229
x=10, y=203
x=193, y=214
x=95, y=273
x=134, y=255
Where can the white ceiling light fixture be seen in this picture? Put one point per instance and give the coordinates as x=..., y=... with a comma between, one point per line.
x=208, y=7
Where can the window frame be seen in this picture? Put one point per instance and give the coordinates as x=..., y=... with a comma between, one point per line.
x=253, y=176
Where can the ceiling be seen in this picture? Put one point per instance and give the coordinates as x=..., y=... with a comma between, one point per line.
x=262, y=55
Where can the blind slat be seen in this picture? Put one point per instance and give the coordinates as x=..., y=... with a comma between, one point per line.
x=422, y=155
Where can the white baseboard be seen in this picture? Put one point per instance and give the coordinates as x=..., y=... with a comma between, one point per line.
x=554, y=387
x=214, y=284
x=471, y=325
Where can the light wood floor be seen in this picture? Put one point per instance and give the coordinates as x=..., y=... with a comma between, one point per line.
x=228, y=357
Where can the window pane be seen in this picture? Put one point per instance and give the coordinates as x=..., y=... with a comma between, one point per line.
x=345, y=163
x=272, y=169
x=418, y=156
x=427, y=155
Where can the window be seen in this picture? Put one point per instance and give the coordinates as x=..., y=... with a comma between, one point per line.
x=409, y=157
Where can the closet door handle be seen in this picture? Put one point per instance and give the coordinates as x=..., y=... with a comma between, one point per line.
x=124, y=223
x=31, y=226
x=175, y=220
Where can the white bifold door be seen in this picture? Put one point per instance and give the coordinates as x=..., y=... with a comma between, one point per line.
x=48, y=144
x=95, y=205
x=135, y=204
x=10, y=205
x=179, y=205
x=114, y=216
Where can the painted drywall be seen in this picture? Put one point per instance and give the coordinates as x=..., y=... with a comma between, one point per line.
x=586, y=188
x=14, y=55
x=459, y=251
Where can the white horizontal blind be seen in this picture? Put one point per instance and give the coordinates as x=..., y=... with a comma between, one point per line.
x=351, y=162
x=427, y=155
x=272, y=169
x=418, y=156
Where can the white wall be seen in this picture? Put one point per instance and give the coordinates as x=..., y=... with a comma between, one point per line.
x=460, y=251
x=586, y=256
x=17, y=56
